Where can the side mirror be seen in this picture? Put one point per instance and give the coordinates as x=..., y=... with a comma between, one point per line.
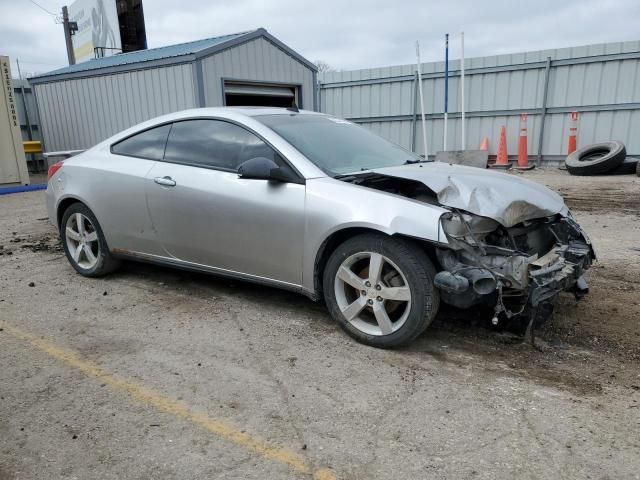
x=261, y=168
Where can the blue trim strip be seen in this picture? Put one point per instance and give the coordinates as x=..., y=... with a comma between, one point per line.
x=23, y=188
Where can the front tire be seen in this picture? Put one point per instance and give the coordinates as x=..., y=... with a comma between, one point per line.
x=380, y=289
x=84, y=242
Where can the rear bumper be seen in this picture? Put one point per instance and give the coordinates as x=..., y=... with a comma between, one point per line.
x=51, y=205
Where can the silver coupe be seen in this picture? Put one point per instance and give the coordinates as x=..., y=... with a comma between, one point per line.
x=319, y=205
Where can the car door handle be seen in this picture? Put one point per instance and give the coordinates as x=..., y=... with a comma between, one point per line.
x=165, y=181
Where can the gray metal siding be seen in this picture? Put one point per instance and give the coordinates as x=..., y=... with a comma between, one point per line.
x=600, y=81
x=33, y=160
x=78, y=113
x=30, y=102
x=256, y=60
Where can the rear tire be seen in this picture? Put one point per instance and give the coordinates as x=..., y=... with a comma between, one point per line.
x=380, y=289
x=84, y=243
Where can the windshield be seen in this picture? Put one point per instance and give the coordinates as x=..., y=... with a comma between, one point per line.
x=337, y=146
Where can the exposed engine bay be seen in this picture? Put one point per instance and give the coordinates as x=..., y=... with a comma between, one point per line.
x=516, y=268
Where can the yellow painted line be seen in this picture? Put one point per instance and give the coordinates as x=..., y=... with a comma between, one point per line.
x=148, y=396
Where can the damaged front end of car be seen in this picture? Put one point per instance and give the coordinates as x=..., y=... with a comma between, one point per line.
x=504, y=241
x=517, y=269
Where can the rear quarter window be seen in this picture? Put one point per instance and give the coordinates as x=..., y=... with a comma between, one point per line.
x=147, y=144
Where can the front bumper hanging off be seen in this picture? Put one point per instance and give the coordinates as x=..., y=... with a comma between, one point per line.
x=563, y=267
x=560, y=270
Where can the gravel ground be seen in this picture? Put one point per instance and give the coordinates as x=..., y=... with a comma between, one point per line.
x=157, y=373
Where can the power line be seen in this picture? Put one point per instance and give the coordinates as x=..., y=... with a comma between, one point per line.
x=43, y=9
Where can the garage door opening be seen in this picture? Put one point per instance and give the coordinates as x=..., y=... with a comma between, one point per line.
x=259, y=95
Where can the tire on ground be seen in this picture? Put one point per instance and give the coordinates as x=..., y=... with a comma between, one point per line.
x=416, y=267
x=628, y=167
x=106, y=263
x=596, y=159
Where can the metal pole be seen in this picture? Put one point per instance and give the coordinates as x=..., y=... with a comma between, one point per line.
x=424, y=123
x=414, y=120
x=464, y=137
x=446, y=90
x=543, y=110
x=67, y=36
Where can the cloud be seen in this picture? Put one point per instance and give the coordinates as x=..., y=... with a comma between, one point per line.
x=346, y=34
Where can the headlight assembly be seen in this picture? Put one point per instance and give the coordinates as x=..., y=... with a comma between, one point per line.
x=466, y=226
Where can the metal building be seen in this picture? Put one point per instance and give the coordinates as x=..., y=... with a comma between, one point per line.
x=82, y=104
x=29, y=121
x=601, y=82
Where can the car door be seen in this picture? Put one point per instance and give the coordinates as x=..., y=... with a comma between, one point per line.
x=117, y=190
x=204, y=214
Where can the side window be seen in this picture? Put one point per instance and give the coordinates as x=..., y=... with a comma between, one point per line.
x=148, y=144
x=213, y=143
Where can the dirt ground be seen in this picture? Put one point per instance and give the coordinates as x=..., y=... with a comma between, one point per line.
x=157, y=373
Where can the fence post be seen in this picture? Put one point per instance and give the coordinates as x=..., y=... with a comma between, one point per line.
x=414, y=122
x=543, y=110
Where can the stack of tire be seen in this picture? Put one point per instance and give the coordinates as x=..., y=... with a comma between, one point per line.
x=606, y=158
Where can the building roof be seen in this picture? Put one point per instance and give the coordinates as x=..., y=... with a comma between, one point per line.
x=164, y=55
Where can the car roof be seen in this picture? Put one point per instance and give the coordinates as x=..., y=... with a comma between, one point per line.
x=249, y=111
x=256, y=111
x=230, y=113
x=242, y=115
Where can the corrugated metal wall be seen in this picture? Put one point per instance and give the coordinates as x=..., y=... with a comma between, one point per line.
x=78, y=113
x=30, y=102
x=34, y=161
x=602, y=82
x=256, y=60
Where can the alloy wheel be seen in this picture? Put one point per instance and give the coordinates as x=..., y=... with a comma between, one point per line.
x=372, y=293
x=82, y=241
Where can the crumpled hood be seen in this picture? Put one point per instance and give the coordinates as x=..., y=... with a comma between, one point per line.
x=503, y=197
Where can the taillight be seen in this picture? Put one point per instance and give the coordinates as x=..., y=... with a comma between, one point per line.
x=54, y=168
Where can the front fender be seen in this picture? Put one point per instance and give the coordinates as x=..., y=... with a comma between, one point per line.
x=332, y=205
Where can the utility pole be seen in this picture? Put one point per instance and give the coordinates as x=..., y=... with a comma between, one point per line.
x=69, y=29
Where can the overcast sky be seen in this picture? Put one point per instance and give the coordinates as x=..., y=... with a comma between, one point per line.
x=346, y=34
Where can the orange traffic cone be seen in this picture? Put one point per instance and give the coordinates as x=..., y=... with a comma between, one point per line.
x=573, y=132
x=523, y=154
x=485, y=144
x=502, y=159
